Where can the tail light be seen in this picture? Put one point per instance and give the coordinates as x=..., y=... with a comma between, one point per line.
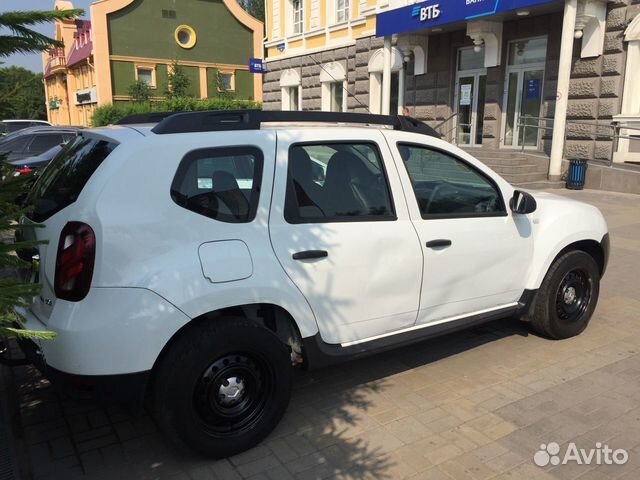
x=22, y=171
x=74, y=262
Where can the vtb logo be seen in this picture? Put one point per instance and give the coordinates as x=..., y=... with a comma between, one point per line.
x=426, y=13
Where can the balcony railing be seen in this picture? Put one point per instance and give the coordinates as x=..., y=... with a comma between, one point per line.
x=57, y=59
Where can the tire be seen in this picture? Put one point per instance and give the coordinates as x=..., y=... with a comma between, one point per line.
x=222, y=387
x=567, y=297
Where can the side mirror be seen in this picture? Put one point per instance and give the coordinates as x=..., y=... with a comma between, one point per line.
x=522, y=203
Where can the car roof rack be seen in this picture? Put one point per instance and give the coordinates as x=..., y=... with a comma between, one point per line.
x=138, y=118
x=227, y=120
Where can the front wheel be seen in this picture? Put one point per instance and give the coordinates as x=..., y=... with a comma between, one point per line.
x=222, y=387
x=567, y=297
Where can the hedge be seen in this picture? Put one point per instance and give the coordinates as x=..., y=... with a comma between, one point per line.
x=110, y=114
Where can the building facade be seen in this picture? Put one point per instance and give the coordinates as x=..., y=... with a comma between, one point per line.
x=139, y=40
x=533, y=75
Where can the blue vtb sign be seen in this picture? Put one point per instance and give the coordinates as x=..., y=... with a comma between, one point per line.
x=431, y=13
x=256, y=65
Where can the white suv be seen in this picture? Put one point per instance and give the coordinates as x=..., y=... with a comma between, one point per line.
x=195, y=262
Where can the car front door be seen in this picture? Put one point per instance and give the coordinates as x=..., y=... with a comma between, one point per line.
x=476, y=253
x=340, y=229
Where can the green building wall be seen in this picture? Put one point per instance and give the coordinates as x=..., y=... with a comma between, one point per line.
x=141, y=31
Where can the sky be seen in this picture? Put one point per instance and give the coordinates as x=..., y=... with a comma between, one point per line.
x=33, y=61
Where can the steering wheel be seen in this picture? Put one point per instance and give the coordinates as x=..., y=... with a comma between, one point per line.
x=436, y=191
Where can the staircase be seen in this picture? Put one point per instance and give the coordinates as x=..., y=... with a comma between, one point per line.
x=525, y=170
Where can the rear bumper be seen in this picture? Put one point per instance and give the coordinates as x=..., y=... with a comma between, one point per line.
x=129, y=388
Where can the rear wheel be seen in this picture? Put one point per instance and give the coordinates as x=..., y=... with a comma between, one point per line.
x=223, y=387
x=567, y=297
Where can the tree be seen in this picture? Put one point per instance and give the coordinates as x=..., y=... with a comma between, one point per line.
x=254, y=7
x=21, y=39
x=24, y=39
x=139, y=91
x=178, y=81
x=21, y=94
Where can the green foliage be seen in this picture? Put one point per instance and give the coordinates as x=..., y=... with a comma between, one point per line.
x=110, y=114
x=254, y=7
x=23, y=39
x=178, y=81
x=21, y=94
x=13, y=291
x=139, y=91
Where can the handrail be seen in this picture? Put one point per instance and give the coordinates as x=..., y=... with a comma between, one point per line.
x=614, y=128
x=454, y=114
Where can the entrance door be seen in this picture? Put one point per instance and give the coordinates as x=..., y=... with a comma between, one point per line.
x=523, y=92
x=471, y=82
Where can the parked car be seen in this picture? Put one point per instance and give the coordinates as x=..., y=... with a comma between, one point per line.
x=29, y=165
x=35, y=141
x=197, y=262
x=10, y=126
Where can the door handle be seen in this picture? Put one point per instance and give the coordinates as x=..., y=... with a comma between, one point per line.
x=307, y=254
x=441, y=242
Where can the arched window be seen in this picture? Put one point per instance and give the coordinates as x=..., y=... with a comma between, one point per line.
x=291, y=90
x=333, y=80
x=376, y=65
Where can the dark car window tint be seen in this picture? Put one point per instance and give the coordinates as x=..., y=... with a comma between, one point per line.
x=16, y=145
x=337, y=182
x=42, y=143
x=65, y=177
x=446, y=186
x=220, y=183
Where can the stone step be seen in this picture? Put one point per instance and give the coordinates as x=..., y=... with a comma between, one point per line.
x=523, y=177
x=516, y=169
x=540, y=185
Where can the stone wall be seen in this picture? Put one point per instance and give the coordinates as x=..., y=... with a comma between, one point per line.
x=354, y=59
x=595, y=92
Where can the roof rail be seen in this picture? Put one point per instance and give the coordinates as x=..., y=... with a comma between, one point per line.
x=225, y=120
x=137, y=118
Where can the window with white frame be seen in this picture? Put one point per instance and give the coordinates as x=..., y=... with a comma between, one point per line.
x=146, y=74
x=342, y=11
x=333, y=80
x=336, y=90
x=297, y=17
x=375, y=81
x=291, y=90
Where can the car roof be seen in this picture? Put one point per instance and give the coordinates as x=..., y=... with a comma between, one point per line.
x=25, y=120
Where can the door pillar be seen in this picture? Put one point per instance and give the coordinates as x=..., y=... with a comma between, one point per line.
x=386, y=76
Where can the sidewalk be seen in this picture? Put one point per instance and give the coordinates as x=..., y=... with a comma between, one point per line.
x=475, y=405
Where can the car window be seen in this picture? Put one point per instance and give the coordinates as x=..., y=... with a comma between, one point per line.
x=16, y=145
x=15, y=126
x=220, y=183
x=42, y=143
x=446, y=186
x=332, y=182
x=62, y=181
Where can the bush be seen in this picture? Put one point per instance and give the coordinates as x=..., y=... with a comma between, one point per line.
x=139, y=91
x=110, y=114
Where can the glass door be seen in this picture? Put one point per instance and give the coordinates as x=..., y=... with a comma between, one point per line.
x=471, y=82
x=523, y=92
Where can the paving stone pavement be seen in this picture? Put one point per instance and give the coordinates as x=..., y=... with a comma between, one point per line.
x=472, y=405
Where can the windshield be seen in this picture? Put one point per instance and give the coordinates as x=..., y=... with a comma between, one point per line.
x=66, y=175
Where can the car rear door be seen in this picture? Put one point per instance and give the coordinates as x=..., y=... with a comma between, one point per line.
x=340, y=229
x=476, y=254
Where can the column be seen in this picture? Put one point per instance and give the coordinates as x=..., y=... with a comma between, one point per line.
x=564, y=75
x=386, y=76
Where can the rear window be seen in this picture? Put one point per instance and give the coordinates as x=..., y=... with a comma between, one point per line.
x=64, y=178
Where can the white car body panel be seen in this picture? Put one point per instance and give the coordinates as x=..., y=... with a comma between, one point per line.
x=370, y=281
x=158, y=265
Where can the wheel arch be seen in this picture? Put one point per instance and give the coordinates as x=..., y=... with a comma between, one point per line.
x=271, y=316
x=598, y=250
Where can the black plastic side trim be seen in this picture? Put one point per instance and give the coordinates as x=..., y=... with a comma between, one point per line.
x=606, y=248
x=318, y=354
